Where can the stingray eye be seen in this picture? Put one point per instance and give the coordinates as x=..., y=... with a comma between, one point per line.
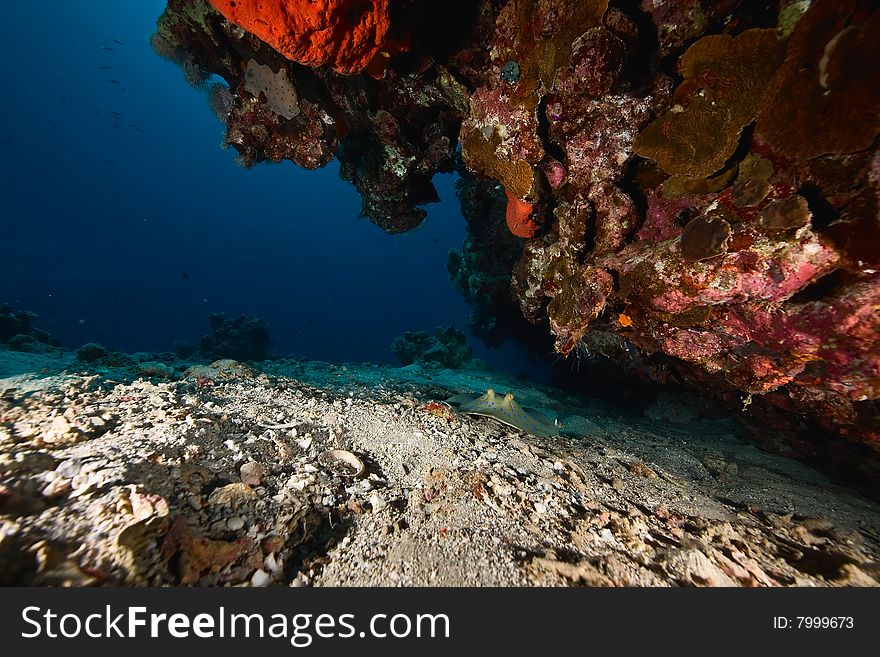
x=490, y=393
x=508, y=398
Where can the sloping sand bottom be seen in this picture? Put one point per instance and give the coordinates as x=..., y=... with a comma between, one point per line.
x=308, y=473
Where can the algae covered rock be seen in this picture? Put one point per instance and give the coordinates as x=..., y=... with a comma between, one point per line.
x=447, y=348
x=16, y=331
x=92, y=352
x=245, y=337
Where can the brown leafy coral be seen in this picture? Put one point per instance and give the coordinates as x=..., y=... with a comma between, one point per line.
x=705, y=237
x=826, y=96
x=724, y=80
x=785, y=214
x=481, y=155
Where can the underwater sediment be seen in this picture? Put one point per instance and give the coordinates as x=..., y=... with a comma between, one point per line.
x=687, y=188
x=301, y=473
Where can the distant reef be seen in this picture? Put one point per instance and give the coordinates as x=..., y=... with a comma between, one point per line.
x=17, y=333
x=687, y=188
x=446, y=348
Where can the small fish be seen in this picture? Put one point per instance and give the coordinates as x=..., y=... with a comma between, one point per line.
x=135, y=128
x=184, y=275
x=117, y=41
x=118, y=115
x=113, y=162
x=624, y=320
x=108, y=48
x=114, y=81
x=104, y=68
x=436, y=240
x=5, y=142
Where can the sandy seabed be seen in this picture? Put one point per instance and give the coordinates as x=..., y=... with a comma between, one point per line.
x=298, y=473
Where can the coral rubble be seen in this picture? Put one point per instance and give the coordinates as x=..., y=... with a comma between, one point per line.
x=708, y=171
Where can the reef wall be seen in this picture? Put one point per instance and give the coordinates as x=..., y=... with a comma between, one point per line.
x=689, y=187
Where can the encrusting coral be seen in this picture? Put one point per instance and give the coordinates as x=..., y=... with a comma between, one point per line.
x=539, y=36
x=280, y=94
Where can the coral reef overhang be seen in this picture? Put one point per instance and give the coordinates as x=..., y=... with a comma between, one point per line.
x=693, y=187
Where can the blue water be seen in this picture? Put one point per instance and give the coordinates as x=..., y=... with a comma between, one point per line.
x=103, y=213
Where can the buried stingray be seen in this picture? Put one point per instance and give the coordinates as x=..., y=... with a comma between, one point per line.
x=507, y=411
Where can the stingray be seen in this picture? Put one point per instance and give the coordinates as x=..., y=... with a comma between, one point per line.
x=507, y=411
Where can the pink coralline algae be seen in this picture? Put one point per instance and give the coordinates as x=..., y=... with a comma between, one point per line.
x=658, y=276
x=555, y=172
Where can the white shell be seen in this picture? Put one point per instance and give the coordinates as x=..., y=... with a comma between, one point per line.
x=349, y=460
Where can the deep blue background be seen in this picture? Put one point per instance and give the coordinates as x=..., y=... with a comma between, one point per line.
x=99, y=220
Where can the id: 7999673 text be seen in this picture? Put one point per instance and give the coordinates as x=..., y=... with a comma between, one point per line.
x=813, y=623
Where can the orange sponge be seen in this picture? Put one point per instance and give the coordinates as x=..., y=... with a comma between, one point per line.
x=519, y=217
x=350, y=36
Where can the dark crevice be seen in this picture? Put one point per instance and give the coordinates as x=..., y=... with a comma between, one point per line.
x=742, y=148
x=632, y=189
x=668, y=64
x=615, y=278
x=550, y=147
x=822, y=288
x=590, y=232
x=823, y=212
x=440, y=28
x=683, y=217
x=637, y=68
x=356, y=12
